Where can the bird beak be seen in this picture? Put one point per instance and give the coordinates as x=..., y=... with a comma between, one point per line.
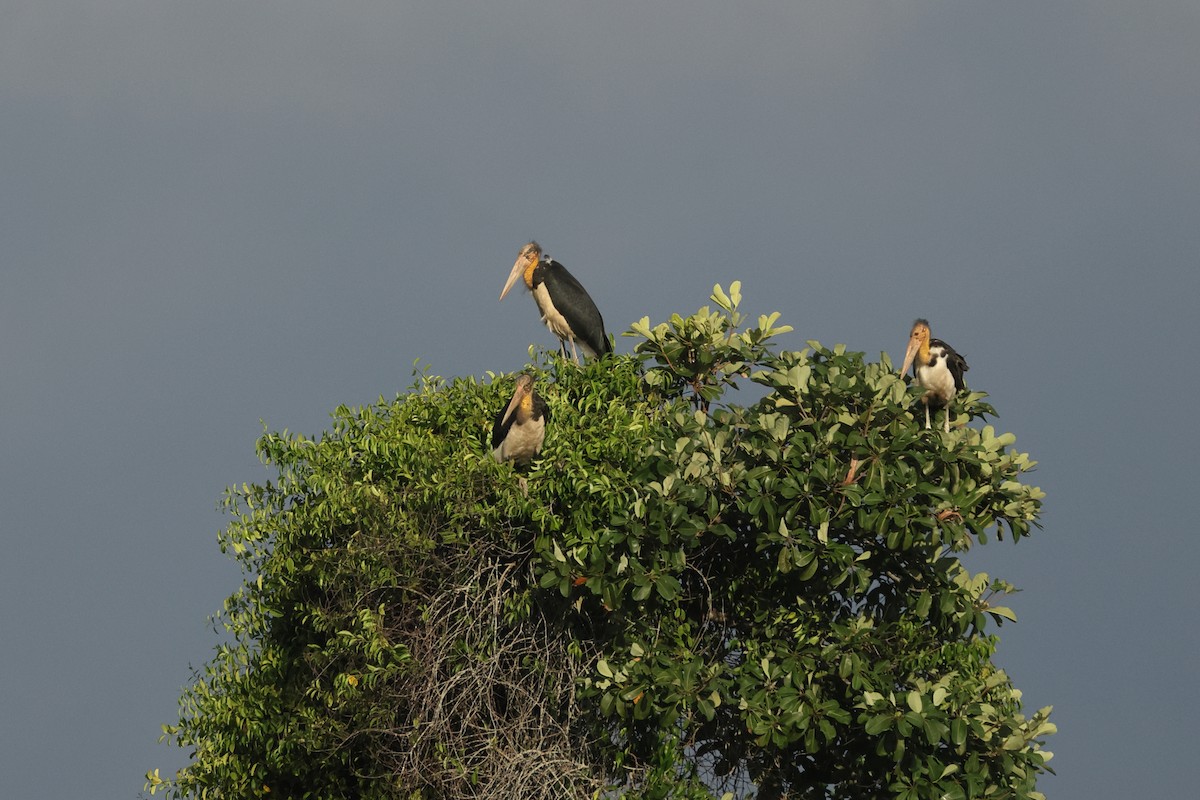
x=517, y=269
x=518, y=395
x=914, y=344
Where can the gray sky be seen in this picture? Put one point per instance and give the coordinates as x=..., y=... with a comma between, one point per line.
x=215, y=213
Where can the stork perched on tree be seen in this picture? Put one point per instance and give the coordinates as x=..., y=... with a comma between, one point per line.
x=937, y=368
x=566, y=308
x=520, y=428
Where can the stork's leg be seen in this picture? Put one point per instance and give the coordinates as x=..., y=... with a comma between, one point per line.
x=926, y=416
x=524, y=484
x=946, y=427
x=574, y=353
x=562, y=347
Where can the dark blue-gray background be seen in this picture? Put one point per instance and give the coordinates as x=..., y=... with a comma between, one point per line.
x=215, y=213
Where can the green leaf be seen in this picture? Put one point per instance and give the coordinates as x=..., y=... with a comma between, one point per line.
x=1001, y=611
x=720, y=298
x=878, y=724
x=958, y=732
x=667, y=587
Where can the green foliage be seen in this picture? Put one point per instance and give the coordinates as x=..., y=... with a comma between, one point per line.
x=695, y=599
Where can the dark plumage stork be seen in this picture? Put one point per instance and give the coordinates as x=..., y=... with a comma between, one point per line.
x=520, y=428
x=566, y=307
x=937, y=368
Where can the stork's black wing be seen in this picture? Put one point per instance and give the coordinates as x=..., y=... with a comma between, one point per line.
x=540, y=409
x=954, y=362
x=500, y=427
x=575, y=304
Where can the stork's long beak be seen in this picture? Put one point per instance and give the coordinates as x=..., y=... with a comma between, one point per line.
x=914, y=344
x=517, y=269
x=519, y=395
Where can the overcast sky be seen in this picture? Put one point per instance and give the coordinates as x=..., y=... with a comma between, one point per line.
x=217, y=213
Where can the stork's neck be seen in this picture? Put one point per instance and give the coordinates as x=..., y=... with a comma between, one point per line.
x=524, y=409
x=529, y=268
x=923, y=354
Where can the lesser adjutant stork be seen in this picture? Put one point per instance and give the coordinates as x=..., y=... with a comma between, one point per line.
x=520, y=428
x=566, y=308
x=937, y=368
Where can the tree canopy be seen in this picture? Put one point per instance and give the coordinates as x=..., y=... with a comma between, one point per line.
x=695, y=598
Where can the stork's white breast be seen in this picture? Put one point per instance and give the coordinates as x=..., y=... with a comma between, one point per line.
x=937, y=379
x=523, y=441
x=555, y=321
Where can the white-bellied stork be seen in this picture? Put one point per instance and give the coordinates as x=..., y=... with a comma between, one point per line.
x=566, y=308
x=937, y=368
x=520, y=428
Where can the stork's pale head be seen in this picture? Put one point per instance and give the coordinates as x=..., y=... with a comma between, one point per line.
x=527, y=259
x=918, y=345
x=522, y=395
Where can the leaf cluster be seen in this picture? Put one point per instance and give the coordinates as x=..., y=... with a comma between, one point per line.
x=696, y=598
